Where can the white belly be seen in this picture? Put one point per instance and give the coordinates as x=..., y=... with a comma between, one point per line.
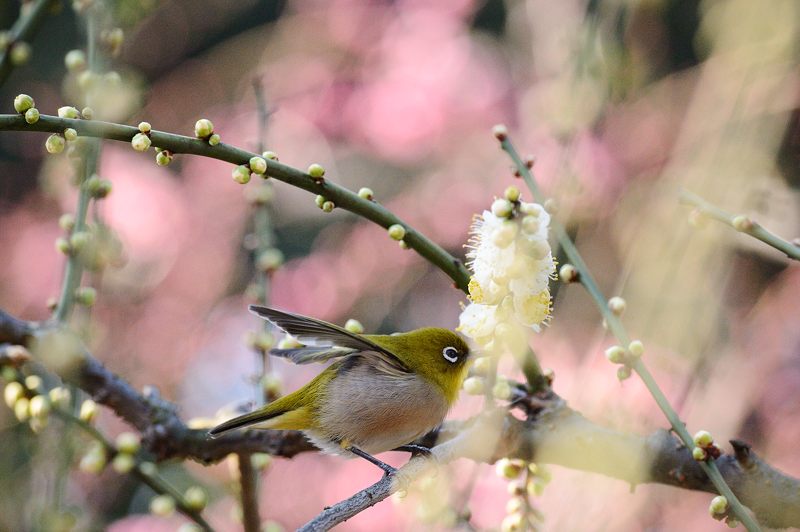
x=377, y=412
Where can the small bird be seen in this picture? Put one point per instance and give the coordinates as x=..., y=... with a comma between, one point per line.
x=381, y=393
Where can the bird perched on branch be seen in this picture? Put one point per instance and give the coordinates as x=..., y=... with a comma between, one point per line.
x=381, y=393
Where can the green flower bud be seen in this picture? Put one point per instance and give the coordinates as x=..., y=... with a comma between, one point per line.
x=140, y=142
x=474, y=385
x=79, y=240
x=241, y=174
x=366, y=193
x=123, y=463
x=21, y=409
x=39, y=406
x=718, y=506
x=163, y=158
x=93, y=461
x=70, y=134
x=86, y=296
x=481, y=365
x=145, y=127
x=615, y=354
x=328, y=206
x=636, y=348
x=12, y=392
x=270, y=260
x=512, y=194
x=33, y=383
x=60, y=397
x=55, y=143
x=258, y=165
x=568, y=273
x=214, y=139
x=20, y=53
x=500, y=132
x=403, y=245
x=699, y=454
x=162, y=505
x=62, y=245
x=88, y=411
x=196, y=498
x=354, y=326
x=502, y=208
x=703, y=438
x=87, y=113
x=203, y=128
x=732, y=522
x=316, y=171
x=260, y=461
x=75, y=61
x=397, y=232
x=23, y=102
x=617, y=305
x=320, y=201
x=289, y=342
x=502, y=390
x=509, y=469
x=32, y=115
x=270, y=155
x=127, y=442
x=68, y=112
x=623, y=373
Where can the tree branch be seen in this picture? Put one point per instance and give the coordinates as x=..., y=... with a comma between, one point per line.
x=31, y=17
x=340, y=196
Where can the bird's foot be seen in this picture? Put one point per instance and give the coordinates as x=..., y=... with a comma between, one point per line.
x=415, y=450
x=387, y=469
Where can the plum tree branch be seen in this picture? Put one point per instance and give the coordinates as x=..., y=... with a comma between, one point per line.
x=552, y=434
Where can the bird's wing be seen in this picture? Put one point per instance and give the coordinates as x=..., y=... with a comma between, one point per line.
x=340, y=342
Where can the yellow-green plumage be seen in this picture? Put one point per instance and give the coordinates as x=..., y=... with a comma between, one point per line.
x=381, y=392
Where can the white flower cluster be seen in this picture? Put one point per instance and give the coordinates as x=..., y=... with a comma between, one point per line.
x=512, y=263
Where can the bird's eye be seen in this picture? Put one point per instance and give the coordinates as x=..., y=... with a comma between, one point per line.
x=450, y=354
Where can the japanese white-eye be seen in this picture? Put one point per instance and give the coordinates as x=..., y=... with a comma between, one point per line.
x=381, y=393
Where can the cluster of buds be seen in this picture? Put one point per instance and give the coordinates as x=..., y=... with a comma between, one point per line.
x=26, y=106
x=141, y=141
x=512, y=264
x=111, y=40
x=625, y=357
x=256, y=165
x=29, y=401
x=398, y=232
x=705, y=448
x=526, y=480
x=127, y=445
x=719, y=510
x=204, y=129
x=323, y=203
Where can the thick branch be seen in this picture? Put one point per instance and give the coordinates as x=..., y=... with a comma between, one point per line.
x=340, y=196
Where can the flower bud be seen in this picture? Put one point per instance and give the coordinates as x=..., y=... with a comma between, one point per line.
x=127, y=442
x=731, y=521
x=140, y=142
x=88, y=411
x=502, y=208
x=270, y=260
x=93, y=461
x=214, y=139
x=718, y=506
x=509, y=469
x=21, y=409
x=32, y=115
x=397, y=232
x=636, y=348
x=86, y=296
x=616, y=305
x=500, y=132
x=60, y=397
x=39, y=406
x=366, y=193
x=703, y=438
x=699, y=454
x=203, y=128
x=623, y=373
x=530, y=224
x=12, y=392
x=78, y=240
x=482, y=365
x=615, y=354
x=474, y=385
x=241, y=174
x=316, y=171
x=568, y=273
x=62, y=246
x=70, y=134
x=320, y=200
x=23, y=102
x=55, y=143
x=87, y=113
x=328, y=206
x=123, y=463
x=258, y=165
x=195, y=498
x=742, y=223
x=512, y=194
x=33, y=383
x=354, y=326
x=270, y=155
x=68, y=112
x=145, y=127
x=75, y=61
x=162, y=505
x=163, y=158
x=502, y=390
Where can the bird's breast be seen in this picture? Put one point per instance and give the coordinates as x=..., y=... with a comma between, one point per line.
x=379, y=411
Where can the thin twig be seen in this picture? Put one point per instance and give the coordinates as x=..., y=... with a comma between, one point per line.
x=248, y=483
x=616, y=327
x=748, y=226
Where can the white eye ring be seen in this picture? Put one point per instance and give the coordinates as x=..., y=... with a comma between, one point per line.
x=450, y=354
